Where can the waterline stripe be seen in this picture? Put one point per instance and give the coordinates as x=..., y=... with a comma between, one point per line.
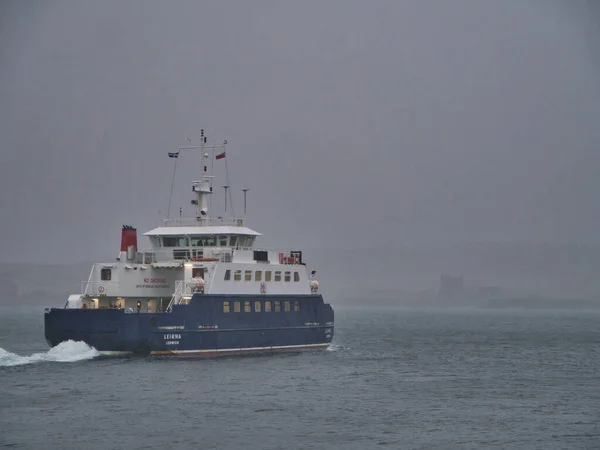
x=241, y=350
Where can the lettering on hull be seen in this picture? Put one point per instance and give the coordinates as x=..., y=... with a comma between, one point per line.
x=170, y=338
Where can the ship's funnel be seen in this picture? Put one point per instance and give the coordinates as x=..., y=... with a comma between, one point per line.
x=128, y=238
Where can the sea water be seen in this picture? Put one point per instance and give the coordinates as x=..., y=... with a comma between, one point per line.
x=394, y=378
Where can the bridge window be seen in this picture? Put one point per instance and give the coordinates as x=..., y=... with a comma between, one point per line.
x=175, y=241
x=277, y=306
x=247, y=307
x=157, y=241
x=267, y=306
x=236, y=307
x=105, y=274
x=288, y=276
x=237, y=275
x=267, y=275
x=233, y=241
x=169, y=241
x=278, y=275
x=225, y=307
x=247, y=275
x=223, y=241
x=196, y=241
x=227, y=275
x=286, y=306
x=257, y=275
x=296, y=306
x=296, y=276
x=257, y=306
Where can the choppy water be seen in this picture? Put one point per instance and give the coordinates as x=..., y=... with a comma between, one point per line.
x=462, y=379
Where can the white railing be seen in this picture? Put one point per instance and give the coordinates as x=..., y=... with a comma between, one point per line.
x=177, y=295
x=223, y=254
x=201, y=221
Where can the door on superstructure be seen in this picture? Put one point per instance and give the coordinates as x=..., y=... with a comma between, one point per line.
x=151, y=305
x=198, y=274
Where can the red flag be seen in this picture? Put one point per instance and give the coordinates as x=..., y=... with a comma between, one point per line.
x=220, y=156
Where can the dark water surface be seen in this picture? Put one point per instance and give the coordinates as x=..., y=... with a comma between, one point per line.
x=454, y=379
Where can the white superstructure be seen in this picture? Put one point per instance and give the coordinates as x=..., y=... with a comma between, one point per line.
x=192, y=255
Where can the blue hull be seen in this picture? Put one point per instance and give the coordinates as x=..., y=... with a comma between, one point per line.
x=201, y=328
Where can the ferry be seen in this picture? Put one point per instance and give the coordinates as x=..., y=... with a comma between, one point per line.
x=201, y=288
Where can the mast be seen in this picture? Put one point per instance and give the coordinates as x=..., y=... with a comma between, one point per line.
x=201, y=188
x=245, y=192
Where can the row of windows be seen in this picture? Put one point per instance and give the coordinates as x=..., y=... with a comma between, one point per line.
x=204, y=241
x=258, y=275
x=268, y=306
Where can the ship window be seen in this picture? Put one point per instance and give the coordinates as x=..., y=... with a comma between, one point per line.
x=277, y=306
x=236, y=307
x=181, y=254
x=223, y=241
x=278, y=275
x=225, y=307
x=227, y=275
x=261, y=255
x=257, y=306
x=237, y=275
x=258, y=275
x=175, y=241
x=296, y=306
x=196, y=241
x=267, y=306
x=247, y=307
x=267, y=275
x=105, y=274
x=210, y=241
x=247, y=275
x=245, y=241
x=296, y=276
x=169, y=241
x=157, y=241
x=288, y=276
x=286, y=306
x=233, y=241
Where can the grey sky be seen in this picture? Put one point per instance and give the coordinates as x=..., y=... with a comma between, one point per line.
x=380, y=123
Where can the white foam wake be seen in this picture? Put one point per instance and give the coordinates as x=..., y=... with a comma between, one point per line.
x=68, y=351
x=336, y=348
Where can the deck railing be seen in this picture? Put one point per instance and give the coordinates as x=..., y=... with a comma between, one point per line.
x=149, y=256
x=177, y=294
